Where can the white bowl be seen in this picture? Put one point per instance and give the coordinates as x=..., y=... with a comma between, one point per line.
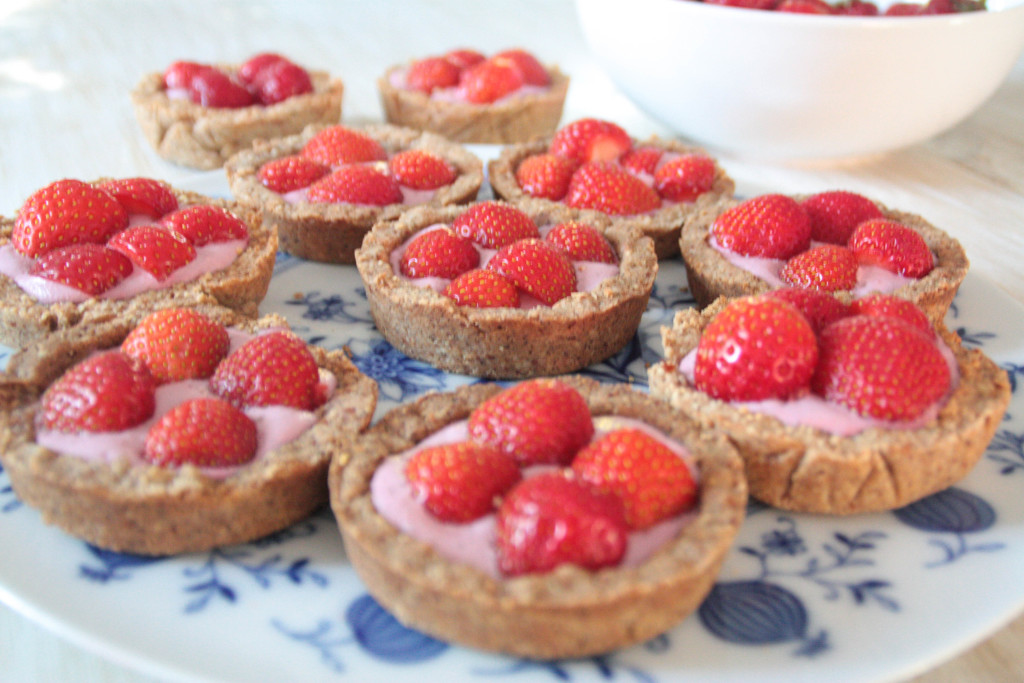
x=781, y=86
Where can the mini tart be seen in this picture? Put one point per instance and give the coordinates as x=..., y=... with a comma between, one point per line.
x=506, y=343
x=152, y=510
x=569, y=612
x=332, y=232
x=515, y=119
x=808, y=470
x=710, y=275
x=191, y=134
x=662, y=226
x=240, y=286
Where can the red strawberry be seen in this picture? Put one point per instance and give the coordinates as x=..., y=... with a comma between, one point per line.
x=177, y=344
x=651, y=480
x=828, y=267
x=834, y=214
x=545, y=175
x=607, y=187
x=274, y=368
x=756, y=348
x=211, y=87
x=904, y=9
x=553, y=519
x=356, y=184
x=336, y=145
x=438, y=253
x=581, y=242
x=489, y=81
x=804, y=7
x=538, y=268
x=89, y=268
x=685, y=178
x=590, y=140
x=482, y=288
x=745, y=4
x=206, y=432
x=460, y=482
x=142, y=196
x=642, y=159
x=203, y=224
x=432, y=73
x=66, y=212
x=179, y=74
x=892, y=246
x=494, y=225
x=770, y=226
x=820, y=308
x=895, y=307
x=880, y=367
x=155, y=249
x=536, y=422
x=281, y=81
x=531, y=70
x=421, y=170
x=856, y=8
x=256, y=65
x=464, y=57
x=106, y=392
x=291, y=173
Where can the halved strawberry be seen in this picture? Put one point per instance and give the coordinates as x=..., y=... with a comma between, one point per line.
x=142, y=196
x=609, y=188
x=177, y=344
x=857, y=8
x=464, y=57
x=66, y=212
x=158, y=250
x=538, y=268
x=336, y=145
x=581, y=242
x=494, y=225
x=89, y=268
x=211, y=87
x=820, y=308
x=252, y=68
x=482, y=288
x=835, y=213
x=590, y=140
x=274, y=368
x=769, y=225
x=290, y=173
x=179, y=74
x=895, y=307
x=205, y=432
x=106, y=392
x=489, y=81
x=421, y=170
x=828, y=267
x=204, y=224
x=642, y=159
x=280, y=81
x=432, y=73
x=685, y=177
x=438, y=253
x=356, y=184
x=804, y=7
x=531, y=70
x=892, y=246
x=545, y=175
x=462, y=481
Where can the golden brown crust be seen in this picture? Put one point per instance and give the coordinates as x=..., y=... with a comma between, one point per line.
x=569, y=612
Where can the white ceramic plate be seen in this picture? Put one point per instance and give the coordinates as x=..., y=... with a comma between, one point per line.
x=801, y=598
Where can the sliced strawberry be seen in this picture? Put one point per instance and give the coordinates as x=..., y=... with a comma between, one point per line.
x=356, y=184
x=538, y=268
x=828, y=267
x=769, y=225
x=336, y=145
x=553, y=519
x=489, y=81
x=904, y=9
x=255, y=66
x=179, y=74
x=581, y=242
x=142, y=196
x=280, y=81
x=158, y=250
x=204, y=224
x=642, y=159
x=211, y=87
x=205, y=432
x=89, y=268
x=421, y=170
x=290, y=173
x=804, y=7
x=685, y=177
x=482, y=288
x=460, y=482
x=531, y=70
x=894, y=307
x=66, y=212
x=545, y=175
x=607, y=187
x=834, y=214
x=537, y=422
x=271, y=369
x=756, y=348
x=494, y=225
x=820, y=308
x=591, y=140
x=438, y=253
x=106, y=392
x=464, y=57
x=177, y=344
x=432, y=73
x=892, y=246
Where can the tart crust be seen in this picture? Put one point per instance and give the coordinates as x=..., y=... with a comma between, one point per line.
x=151, y=510
x=581, y=329
x=808, y=470
x=332, y=232
x=569, y=612
x=663, y=226
x=190, y=134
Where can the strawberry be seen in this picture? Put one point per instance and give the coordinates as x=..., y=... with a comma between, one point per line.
x=179, y=74
x=536, y=422
x=106, y=392
x=464, y=57
x=281, y=81
x=545, y=175
x=769, y=225
x=89, y=268
x=642, y=159
x=880, y=367
x=211, y=87
x=904, y=9
x=591, y=140
x=834, y=214
x=607, y=187
x=421, y=170
x=828, y=267
x=482, y=288
x=820, y=308
x=432, y=73
x=553, y=519
x=155, y=249
x=895, y=307
x=438, y=253
x=205, y=432
x=66, y=212
x=460, y=482
x=804, y=7
x=581, y=242
x=177, y=344
x=336, y=145
x=274, y=368
x=142, y=196
x=856, y=8
x=745, y=4
x=494, y=225
x=489, y=81
x=290, y=173
x=685, y=178
x=652, y=481
x=255, y=66
x=204, y=224
x=531, y=70
x=538, y=268
x=756, y=348
x=892, y=246
x=356, y=184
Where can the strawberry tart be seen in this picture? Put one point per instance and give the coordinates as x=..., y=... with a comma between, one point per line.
x=324, y=188
x=464, y=96
x=501, y=291
x=206, y=429
x=835, y=408
x=594, y=168
x=77, y=253
x=198, y=115
x=508, y=520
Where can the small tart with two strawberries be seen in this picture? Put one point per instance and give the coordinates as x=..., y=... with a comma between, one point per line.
x=508, y=520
